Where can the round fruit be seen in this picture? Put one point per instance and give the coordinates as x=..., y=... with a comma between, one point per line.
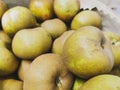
x=17, y=18
x=88, y=53
x=42, y=9
x=30, y=43
x=86, y=18
x=48, y=72
x=6, y=39
x=102, y=82
x=8, y=62
x=59, y=42
x=24, y=65
x=11, y=84
x=115, y=44
x=55, y=27
x=66, y=9
x=78, y=82
x=3, y=8
x=2, y=44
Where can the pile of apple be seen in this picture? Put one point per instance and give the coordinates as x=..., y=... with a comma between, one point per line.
x=55, y=45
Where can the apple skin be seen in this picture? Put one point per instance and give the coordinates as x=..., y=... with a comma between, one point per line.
x=3, y=8
x=86, y=18
x=23, y=67
x=4, y=37
x=66, y=9
x=58, y=43
x=55, y=27
x=8, y=62
x=48, y=72
x=2, y=44
x=42, y=9
x=102, y=82
x=11, y=84
x=78, y=82
x=88, y=53
x=30, y=43
x=115, y=44
x=17, y=18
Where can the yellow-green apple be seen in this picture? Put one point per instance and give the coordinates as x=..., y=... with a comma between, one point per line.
x=17, y=18
x=88, y=53
x=86, y=18
x=42, y=9
x=58, y=43
x=78, y=82
x=30, y=43
x=11, y=84
x=5, y=38
x=55, y=27
x=66, y=9
x=3, y=8
x=115, y=44
x=102, y=82
x=8, y=62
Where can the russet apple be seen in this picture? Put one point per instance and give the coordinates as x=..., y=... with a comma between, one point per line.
x=48, y=72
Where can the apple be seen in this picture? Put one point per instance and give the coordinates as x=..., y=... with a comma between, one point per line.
x=42, y=9
x=115, y=44
x=86, y=18
x=30, y=43
x=3, y=8
x=55, y=27
x=102, y=82
x=17, y=18
x=8, y=62
x=23, y=67
x=78, y=82
x=66, y=9
x=5, y=38
x=11, y=84
x=87, y=53
x=48, y=72
x=2, y=44
x=58, y=43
